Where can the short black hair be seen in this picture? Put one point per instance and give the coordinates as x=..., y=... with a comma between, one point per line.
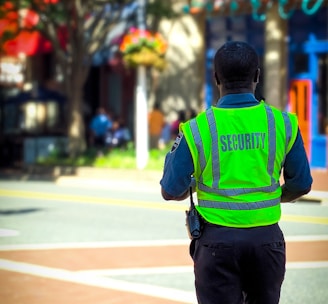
x=236, y=64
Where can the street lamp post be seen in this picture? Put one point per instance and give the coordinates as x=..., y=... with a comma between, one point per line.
x=141, y=118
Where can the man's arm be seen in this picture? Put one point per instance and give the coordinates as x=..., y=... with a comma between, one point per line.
x=297, y=173
x=178, y=169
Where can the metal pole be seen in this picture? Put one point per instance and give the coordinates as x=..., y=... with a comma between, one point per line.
x=141, y=121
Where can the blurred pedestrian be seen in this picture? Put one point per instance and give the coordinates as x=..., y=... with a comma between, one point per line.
x=119, y=135
x=156, y=123
x=165, y=137
x=191, y=114
x=235, y=152
x=99, y=125
x=175, y=124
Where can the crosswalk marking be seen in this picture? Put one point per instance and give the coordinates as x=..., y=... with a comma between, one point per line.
x=99, y=281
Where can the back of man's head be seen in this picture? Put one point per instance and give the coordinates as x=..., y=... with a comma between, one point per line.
x=236, y=65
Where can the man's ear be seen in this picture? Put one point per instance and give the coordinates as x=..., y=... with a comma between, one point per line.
x=217, y=81
x=257, y=76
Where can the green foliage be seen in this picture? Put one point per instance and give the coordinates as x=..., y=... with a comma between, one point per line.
x=160, y=9
x=7, y=35
x=115, y=158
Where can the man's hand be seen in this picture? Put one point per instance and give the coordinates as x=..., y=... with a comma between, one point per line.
x=288, y=196
x=169, y=197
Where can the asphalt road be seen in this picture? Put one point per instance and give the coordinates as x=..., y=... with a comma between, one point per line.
x=118, y=244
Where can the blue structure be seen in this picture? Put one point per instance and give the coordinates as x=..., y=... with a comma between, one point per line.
x=308, y=60
x=307, y=70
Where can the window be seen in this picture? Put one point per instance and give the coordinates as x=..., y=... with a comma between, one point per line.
x=301, y=64
x=34, y=117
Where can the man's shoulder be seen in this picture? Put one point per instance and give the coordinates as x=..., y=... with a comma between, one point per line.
x=180, y=138
x=282, y=111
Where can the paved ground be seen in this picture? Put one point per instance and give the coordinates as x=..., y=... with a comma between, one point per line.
x=320, y=179
x=146, y=261
x=81, y=275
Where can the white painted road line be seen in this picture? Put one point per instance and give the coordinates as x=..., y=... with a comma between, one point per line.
x=306, y=238
x=102, y=282
x=140, y=243
x=8, y=232
x=141, y=271
x=184, y=269
x=118, y=244
x=304, y=265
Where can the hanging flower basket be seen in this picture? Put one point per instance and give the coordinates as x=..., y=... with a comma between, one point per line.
x=140, y=47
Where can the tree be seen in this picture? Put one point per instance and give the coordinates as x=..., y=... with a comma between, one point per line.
x=87, y=25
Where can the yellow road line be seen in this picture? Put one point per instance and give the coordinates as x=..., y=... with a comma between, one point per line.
x=137, y=204
x=90, y=199
x=305, y=219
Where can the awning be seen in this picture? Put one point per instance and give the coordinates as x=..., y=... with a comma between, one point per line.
x=28, y=43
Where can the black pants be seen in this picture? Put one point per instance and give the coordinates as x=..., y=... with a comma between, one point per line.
x=235, y=266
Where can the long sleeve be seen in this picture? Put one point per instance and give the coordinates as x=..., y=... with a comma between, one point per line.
x=296, y=172
x=178, y=169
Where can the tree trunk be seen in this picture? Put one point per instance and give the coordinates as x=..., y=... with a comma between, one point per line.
x=76, y=128
x=275, y=60
x=74, y=82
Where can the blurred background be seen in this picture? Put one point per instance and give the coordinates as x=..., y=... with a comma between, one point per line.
x=88, y=88
x=60, y=62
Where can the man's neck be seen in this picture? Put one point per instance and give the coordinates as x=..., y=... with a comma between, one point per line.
x=235, y=91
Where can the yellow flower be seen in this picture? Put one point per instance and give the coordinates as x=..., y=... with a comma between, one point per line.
x=136, y=39
x=140, y=47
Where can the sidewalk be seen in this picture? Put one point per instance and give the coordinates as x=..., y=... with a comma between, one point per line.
x=320, y=179
x=130, y=179
x=114, y=179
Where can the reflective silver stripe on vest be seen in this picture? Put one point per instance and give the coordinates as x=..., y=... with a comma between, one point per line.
x=271, y=140
x=199, y=146
x=239, y=206
x=237, y=191
x=215, y=148
x=288, y=128
x=288, y=131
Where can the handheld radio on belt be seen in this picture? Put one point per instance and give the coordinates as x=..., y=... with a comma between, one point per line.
x=193, y=223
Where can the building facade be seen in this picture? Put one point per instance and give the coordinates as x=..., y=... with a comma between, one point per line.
x=307, y=68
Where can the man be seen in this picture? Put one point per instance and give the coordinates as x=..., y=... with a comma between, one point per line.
x=99, y=126
x=156, y=123
x=236, y=152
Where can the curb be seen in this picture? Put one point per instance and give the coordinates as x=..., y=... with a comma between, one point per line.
x=110, y=184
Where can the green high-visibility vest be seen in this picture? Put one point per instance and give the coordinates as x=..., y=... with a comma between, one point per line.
x=238, y=154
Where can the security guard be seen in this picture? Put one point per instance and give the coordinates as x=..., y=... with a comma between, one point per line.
x=236, y=152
